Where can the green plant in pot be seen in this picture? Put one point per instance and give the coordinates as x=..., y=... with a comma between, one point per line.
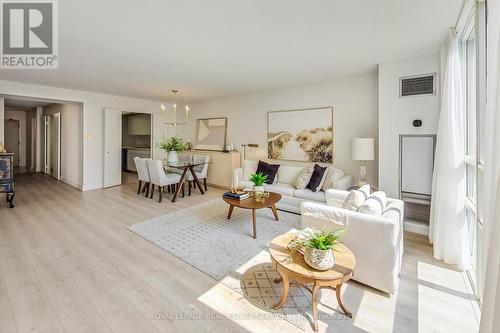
x=172, y=146
x=258, y=179
x=317, y=247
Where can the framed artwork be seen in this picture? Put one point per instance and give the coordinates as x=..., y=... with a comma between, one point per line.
x=211, y=134
x=301, y=135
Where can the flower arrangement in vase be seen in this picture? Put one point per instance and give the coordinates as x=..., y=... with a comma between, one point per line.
x=172, y=146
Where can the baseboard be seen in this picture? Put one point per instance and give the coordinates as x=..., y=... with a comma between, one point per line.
x=416, y=227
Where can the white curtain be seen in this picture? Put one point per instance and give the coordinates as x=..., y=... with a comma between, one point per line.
x=448, y=229
x=490, y=314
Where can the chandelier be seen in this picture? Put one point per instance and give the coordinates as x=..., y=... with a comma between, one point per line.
x=174, y=121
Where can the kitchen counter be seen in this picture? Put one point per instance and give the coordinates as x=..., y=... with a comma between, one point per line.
x=137, y=148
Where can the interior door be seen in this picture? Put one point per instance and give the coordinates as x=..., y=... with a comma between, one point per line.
x=11, y=131
x=112, y=147
x=47, y=146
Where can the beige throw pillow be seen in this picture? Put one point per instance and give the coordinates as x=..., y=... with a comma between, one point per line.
x=375, y=204
x=332, y=175
x=356, y=198
x=304, y=177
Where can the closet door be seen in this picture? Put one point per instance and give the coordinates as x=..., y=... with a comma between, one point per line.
x=417, y=164
x=112, y=147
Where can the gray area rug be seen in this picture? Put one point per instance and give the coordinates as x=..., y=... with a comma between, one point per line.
x=203, y=237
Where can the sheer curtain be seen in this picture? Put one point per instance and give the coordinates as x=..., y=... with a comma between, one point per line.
x=448, y=230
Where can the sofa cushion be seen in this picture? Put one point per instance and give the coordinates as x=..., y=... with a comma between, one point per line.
x=281, y=188
x=333, y=174
x=317, y=178
x=375, y=204
x=336, y=198
x=310, y=195
x=304, y=177
x=249, y=168
x=288, y=174
x=270, y=170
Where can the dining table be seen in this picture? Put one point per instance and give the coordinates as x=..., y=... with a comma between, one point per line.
x=185, y=166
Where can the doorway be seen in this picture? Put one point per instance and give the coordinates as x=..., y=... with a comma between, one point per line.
x=12, y=139
x=52, y=131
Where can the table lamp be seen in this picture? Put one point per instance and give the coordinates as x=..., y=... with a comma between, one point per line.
x=362, y=150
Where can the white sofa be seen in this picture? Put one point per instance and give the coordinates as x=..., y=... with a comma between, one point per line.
x=376, y=241
x=284, y=184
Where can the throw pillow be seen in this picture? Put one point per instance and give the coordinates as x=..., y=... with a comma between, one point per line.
x=356, y=198
x=333, y=174
x=375, y=204
x=304, y=178
x=270, y=170
x=249, y=168
x=317, y=178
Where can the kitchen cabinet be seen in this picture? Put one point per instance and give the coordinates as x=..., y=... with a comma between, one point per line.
x=139, y=124
x=132, y=153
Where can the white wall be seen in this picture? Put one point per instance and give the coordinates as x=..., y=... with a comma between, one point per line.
x=353, y=99
x=71, y=143
x=396, y=114
x=21, y=117
x=93, y=120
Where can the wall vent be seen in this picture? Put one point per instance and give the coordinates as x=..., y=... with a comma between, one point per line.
x=417, y=85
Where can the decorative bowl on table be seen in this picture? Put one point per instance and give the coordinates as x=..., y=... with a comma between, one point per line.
x=259, y=196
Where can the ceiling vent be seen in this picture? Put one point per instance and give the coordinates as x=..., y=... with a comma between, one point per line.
x=417, y=85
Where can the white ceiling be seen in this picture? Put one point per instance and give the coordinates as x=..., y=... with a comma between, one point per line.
x=209, y=49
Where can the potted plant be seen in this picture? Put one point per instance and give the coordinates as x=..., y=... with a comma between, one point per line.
x=317, y=247
x=173, y=145
x=258, y=180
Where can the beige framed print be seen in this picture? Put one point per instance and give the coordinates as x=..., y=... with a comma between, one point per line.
x=211, y=134
x=301, y=135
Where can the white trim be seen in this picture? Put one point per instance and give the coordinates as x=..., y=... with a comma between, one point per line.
x=416, y=227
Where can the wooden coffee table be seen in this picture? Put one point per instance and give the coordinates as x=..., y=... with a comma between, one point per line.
x=251, y=204
x=295, y=272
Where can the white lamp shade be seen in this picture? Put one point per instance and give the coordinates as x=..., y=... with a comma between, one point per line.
x=363, y=149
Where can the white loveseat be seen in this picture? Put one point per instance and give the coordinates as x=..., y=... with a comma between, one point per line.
x=376, y=241
x=284, y=184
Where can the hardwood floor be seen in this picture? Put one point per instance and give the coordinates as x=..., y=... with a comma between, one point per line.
x=68, y=264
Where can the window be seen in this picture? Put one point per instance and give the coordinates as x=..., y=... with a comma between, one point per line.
x=474, y=72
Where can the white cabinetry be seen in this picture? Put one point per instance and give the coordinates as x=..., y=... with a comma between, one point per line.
x=220, y=170
x=139, y=125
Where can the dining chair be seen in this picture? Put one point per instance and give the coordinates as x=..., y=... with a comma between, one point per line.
x=160, y=178
x=142, y=174
x=200, y=171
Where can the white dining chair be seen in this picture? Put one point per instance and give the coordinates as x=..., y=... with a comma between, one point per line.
x=160, y=178
x=200, y=171
x=142, y=174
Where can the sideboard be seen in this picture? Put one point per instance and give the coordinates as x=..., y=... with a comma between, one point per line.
x=7, y=177
x=220, y=171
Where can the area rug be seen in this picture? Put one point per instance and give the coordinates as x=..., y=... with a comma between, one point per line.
x=203, y=237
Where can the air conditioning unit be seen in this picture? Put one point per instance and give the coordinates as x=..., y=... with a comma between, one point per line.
x=417, y=85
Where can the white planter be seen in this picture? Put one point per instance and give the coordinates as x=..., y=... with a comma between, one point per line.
x=258, y=188
x=172, y=156
x=321, y=260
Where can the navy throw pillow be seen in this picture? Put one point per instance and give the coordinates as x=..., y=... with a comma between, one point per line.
x=270, y=170
x=316, y=178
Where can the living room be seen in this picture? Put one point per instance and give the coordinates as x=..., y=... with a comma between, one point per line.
x=310, y=167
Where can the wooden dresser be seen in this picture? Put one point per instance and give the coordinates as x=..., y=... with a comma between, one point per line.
x=7, y=177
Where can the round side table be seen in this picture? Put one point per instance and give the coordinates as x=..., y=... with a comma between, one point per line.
x=295, y=272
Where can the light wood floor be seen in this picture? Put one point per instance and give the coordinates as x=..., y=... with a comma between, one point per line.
x=68, y=264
